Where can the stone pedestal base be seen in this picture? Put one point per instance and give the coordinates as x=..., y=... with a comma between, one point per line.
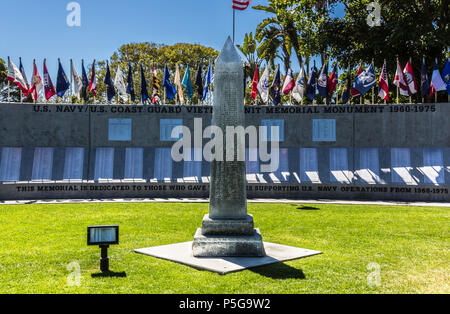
x=236, y=227
x=228, y=245
x=182, y=253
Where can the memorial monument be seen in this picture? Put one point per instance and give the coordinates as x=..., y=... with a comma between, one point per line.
x=228, y=230
x=227, y=240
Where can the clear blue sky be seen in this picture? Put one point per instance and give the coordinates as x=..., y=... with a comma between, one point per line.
x=38, y=29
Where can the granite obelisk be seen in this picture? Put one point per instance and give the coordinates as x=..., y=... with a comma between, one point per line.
x=228, y=231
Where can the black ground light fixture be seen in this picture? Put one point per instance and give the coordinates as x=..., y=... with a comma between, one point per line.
x=103, y=236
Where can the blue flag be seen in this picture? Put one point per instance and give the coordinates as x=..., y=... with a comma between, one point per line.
x=144, y=92
x=365, y=81
x=446, y=75
x=311, y=86
x=84, y=81
x=167, y=83
x=208, y=81
x=275, y=89
x=346, y=92
x=425, y=82
x=322, y=81
x=62, y=83
x=187, y=83
x=130, y=87
x=110, y=91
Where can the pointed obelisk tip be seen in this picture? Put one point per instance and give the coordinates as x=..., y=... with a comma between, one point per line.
x=229, y=53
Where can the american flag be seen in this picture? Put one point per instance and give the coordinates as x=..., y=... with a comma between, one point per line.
x=241, y=4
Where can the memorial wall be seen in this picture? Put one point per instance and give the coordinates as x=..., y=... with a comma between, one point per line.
x=375, y=152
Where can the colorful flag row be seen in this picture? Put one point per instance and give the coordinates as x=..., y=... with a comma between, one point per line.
x=83, y=84
x=18, y=76
x=365, y=80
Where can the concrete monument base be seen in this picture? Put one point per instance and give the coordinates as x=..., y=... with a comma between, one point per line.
x=207, y=245
x=182, y=253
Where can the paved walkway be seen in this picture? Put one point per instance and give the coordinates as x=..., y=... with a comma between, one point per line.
x=202, y=200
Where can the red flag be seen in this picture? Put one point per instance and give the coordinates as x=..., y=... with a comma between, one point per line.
x=240, y=4
x=410, y=78
x=255, y=84
x=14, y=75
x=93, y=83
x=332, y=81
x=36, y=82
x=400, y=81
x=384, y=84
x=354, y=92
x=289, y=83
x=49, y=89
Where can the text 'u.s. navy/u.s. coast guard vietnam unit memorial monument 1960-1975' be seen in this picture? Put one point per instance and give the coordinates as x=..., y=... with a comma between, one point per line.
x=227, y=240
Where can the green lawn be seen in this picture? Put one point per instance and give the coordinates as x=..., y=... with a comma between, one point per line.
x=410, y=245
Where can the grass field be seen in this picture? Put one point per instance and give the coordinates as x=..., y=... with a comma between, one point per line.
x=410, y=245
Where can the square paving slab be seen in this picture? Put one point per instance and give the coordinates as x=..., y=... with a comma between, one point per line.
x=182, y=253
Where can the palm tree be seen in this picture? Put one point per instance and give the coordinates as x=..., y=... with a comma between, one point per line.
x=251, y=53
x=278, y=32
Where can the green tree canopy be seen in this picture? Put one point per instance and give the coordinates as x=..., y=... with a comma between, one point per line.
x=150, y=53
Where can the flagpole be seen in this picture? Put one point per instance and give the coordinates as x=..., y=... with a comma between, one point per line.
x=9, y=92
x=397, y=87
x=410, y=97
x=373, y=88
x=234, y=23
x=21, y=93
x=71, y=81
x=436, y=93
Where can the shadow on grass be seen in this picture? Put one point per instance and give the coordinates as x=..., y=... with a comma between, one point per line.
x=109, y=274
x=308, y=208
x=279, y=271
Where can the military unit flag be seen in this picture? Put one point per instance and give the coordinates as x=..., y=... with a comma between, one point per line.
x=15, y=76
x=49, y=89
x=207, y=82
x=410, y=79
x=156, y=85
x=62, y=83
x=167, y=83
x=383, y=83
x=445, y=75
x=400, y=81
x=76, y=81
x=333, y=80
x=144, y=91
x=347, y=91
x=130, y=84
x=177, y=83
x=263, y=85
x=36, y=82
x=437, y=83
x=110, y=91
x=85, y=81
x=312, y=83
x=93, y=82
x=255, y=82
x=119, y=83
x=275, y=88
x=354, y=92
x=289, y=82
x=322, y=81
x=187, y=83
x=199, y=82
x=300, y=84
x=24, y=76
x=425, y=82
